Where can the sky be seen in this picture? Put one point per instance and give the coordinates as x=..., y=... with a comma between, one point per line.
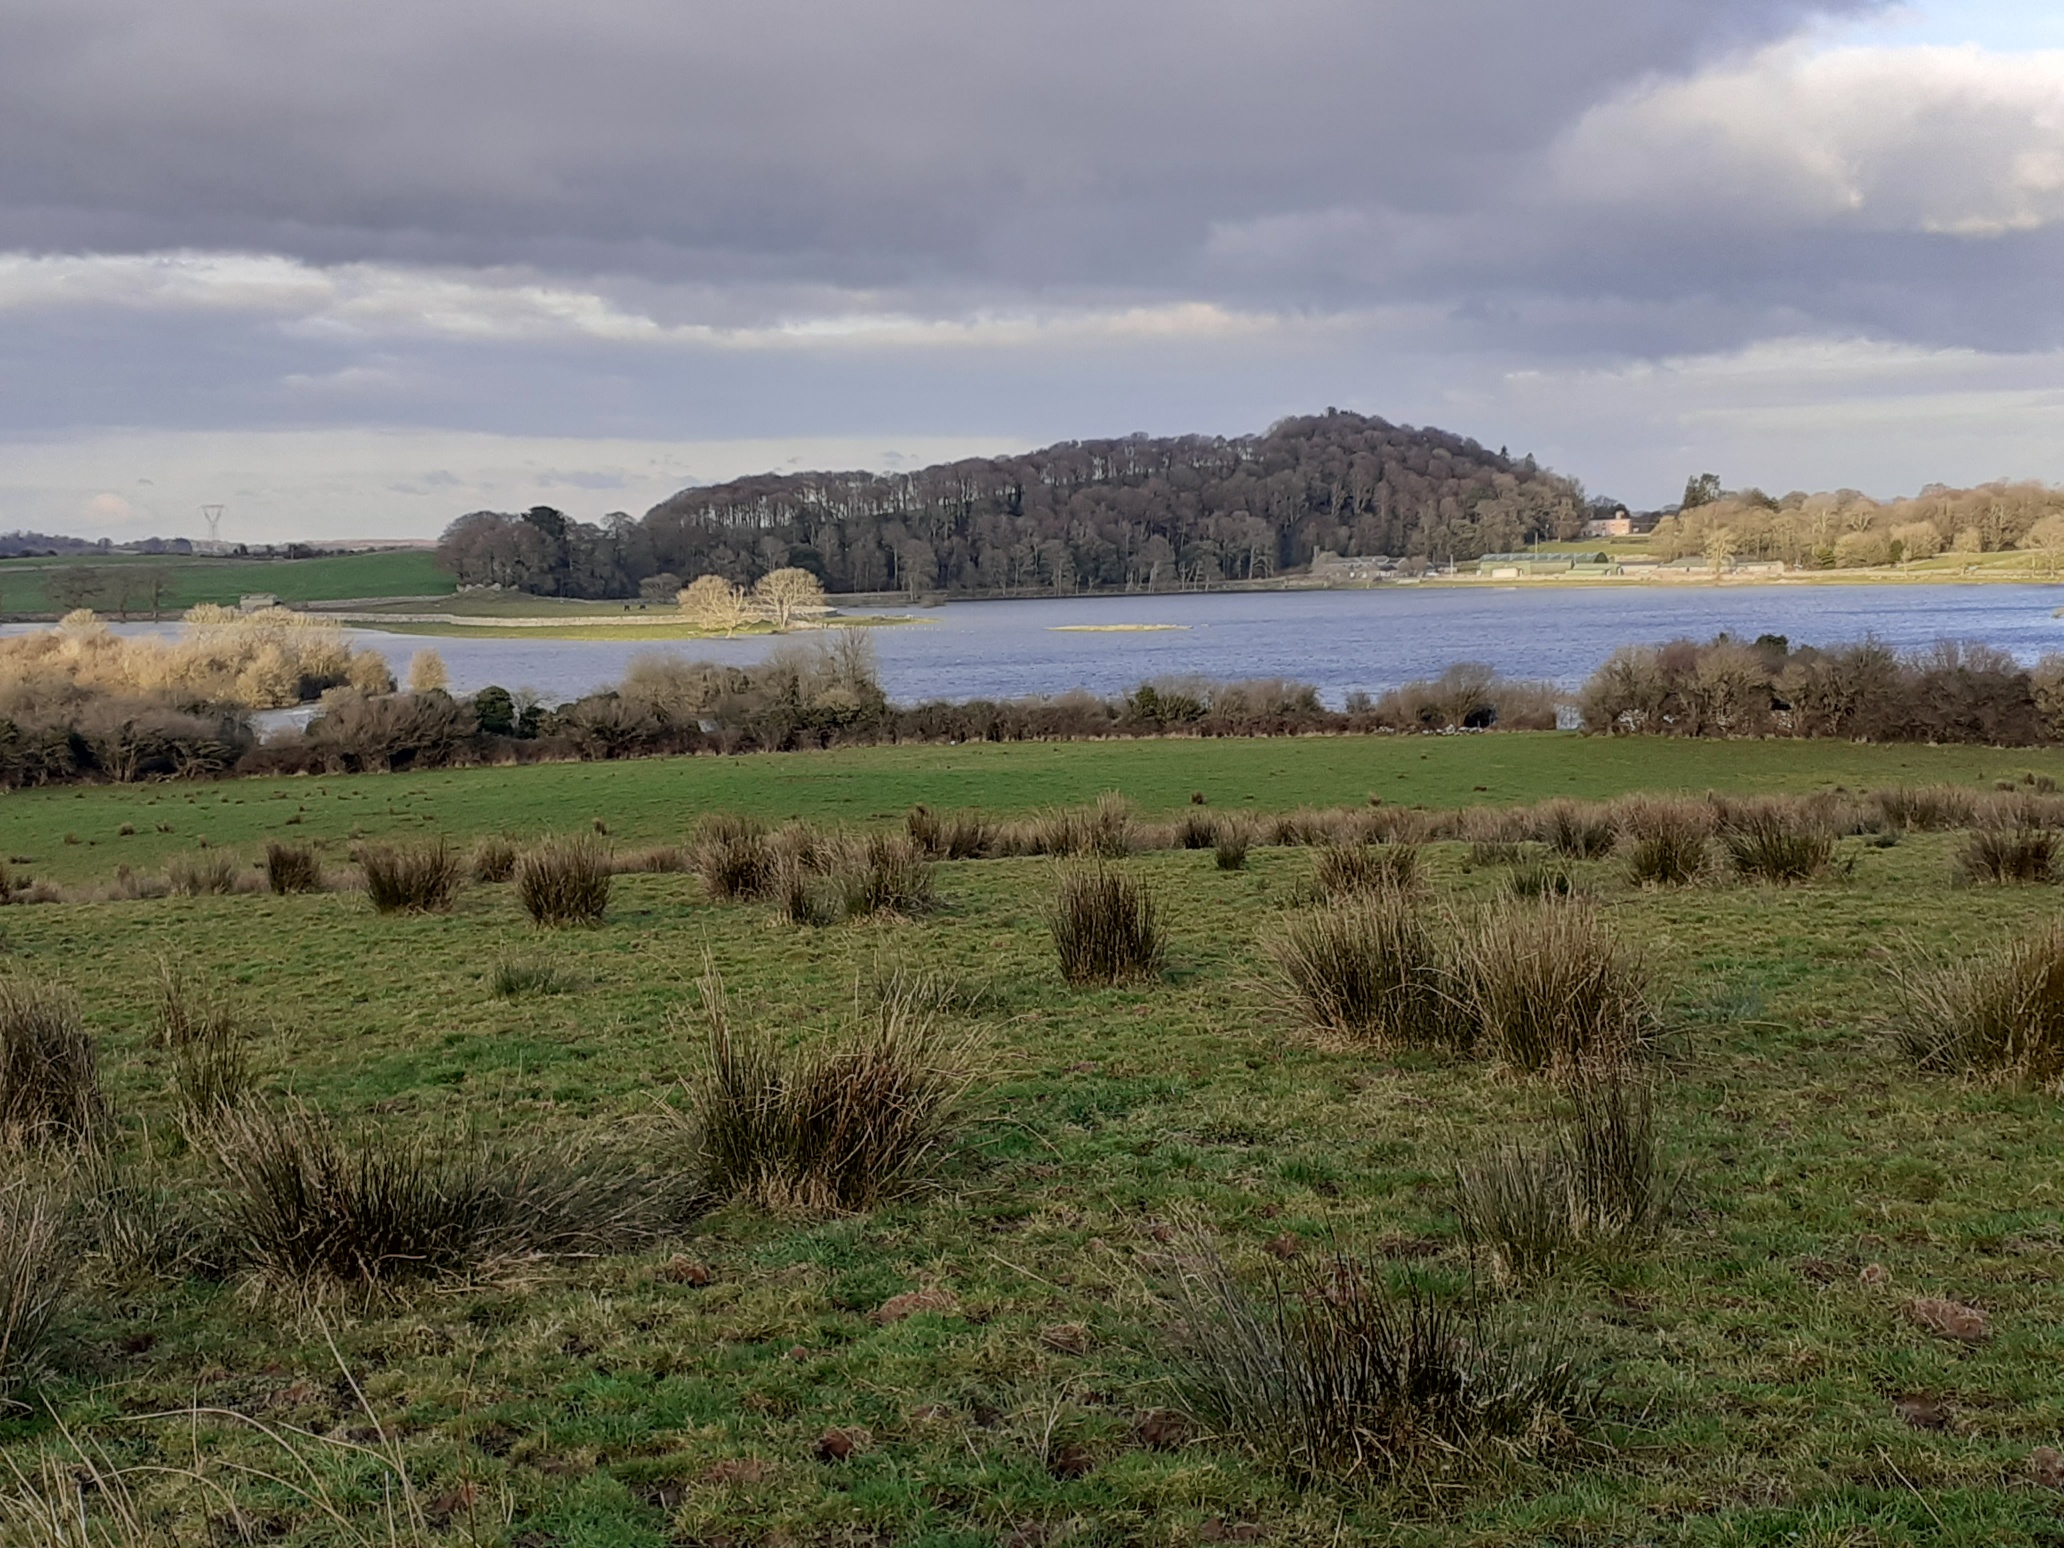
x=350, y=272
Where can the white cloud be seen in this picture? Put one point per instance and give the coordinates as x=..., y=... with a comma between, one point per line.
x=1957, y=141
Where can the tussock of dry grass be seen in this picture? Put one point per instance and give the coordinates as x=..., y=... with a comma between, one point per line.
x=308, y=1203
x=1367, y=968
x=2005, y=856
x=1335, y=1376
x=1344, y=870
x=1776, y=841
x=292, y=868
x=410, y=878
x=210, y=1053
x=1106, y=927
x=494, y=859
x=829, y=1128
x=565, y=881
x=49, y=1067
x=2000, y=1014
x=39, y=1258
x=1551, y=991
x=1599, y=1191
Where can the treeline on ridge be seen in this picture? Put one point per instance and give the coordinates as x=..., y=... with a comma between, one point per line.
x=1138, y=513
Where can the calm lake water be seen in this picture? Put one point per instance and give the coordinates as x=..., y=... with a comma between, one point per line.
x=1338, y=640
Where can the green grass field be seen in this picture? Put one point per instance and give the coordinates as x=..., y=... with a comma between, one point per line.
x=657, y=800
x=609, y=1401
x=336, y=577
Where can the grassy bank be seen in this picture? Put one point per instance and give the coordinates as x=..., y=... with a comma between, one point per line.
x=1754, y=1361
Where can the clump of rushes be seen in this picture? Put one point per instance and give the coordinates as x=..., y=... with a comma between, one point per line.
x=515, y=978
x=494, y=859
x=39, y=1258
x=1343, y=870
x=882, y=873
x=1578, y=831
x=1551, y=991
x=292, y=868
x=1598, y=1192
x=831, y=1128
x=410, y=878
x=308, y=1203
x=1540, y=879
x=2007, y=855
x=734, y=860
x=209, y=1047
x=49, y=1068
x=212, y=874
x=1367, y=968
x=1196, y=829
x=1106, y=927
x=1924, y=808
x=1229, y=850
x=954, y=836
x=1777, y=842
x=1665, y=841
x=1997, y=1014
x=1336, y=1377
x=565, y=881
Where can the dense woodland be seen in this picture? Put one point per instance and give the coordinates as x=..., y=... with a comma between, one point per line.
x=1133, y=514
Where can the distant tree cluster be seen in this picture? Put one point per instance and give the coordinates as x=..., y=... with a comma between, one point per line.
x=549, y=554
x=1847, y=530
x=1139, y=514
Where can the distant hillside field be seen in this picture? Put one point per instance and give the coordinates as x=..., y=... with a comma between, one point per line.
x=119, y=584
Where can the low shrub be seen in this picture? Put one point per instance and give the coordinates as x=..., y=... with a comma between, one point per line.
x=1106, y=927
x=1367, y=968
x=410, y=878
x=494, y=859
x=308, y=1203
x=39, y=1258
x=1337, y=1377
x=210, y=873
x=1599, y=1191
x=1344, y=870
x=1550, y=991
x=2007, y=855
x=565, y=881
x=1775, y=841
x=2000, y=1013
x=292, y=868
x=210, y=1056
x=1577, y=831
x=49, y=1068
x=829, y=1128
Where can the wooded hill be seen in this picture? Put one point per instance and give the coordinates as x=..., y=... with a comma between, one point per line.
x=1140, y=512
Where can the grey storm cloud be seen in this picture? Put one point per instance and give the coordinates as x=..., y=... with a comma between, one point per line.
x=909, y=145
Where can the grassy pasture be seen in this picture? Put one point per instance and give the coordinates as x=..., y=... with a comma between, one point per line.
x=651, y=801
x=1755, y=1364
x=332, y=577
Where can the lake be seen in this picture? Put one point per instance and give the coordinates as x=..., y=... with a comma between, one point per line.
x=1338, y=640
